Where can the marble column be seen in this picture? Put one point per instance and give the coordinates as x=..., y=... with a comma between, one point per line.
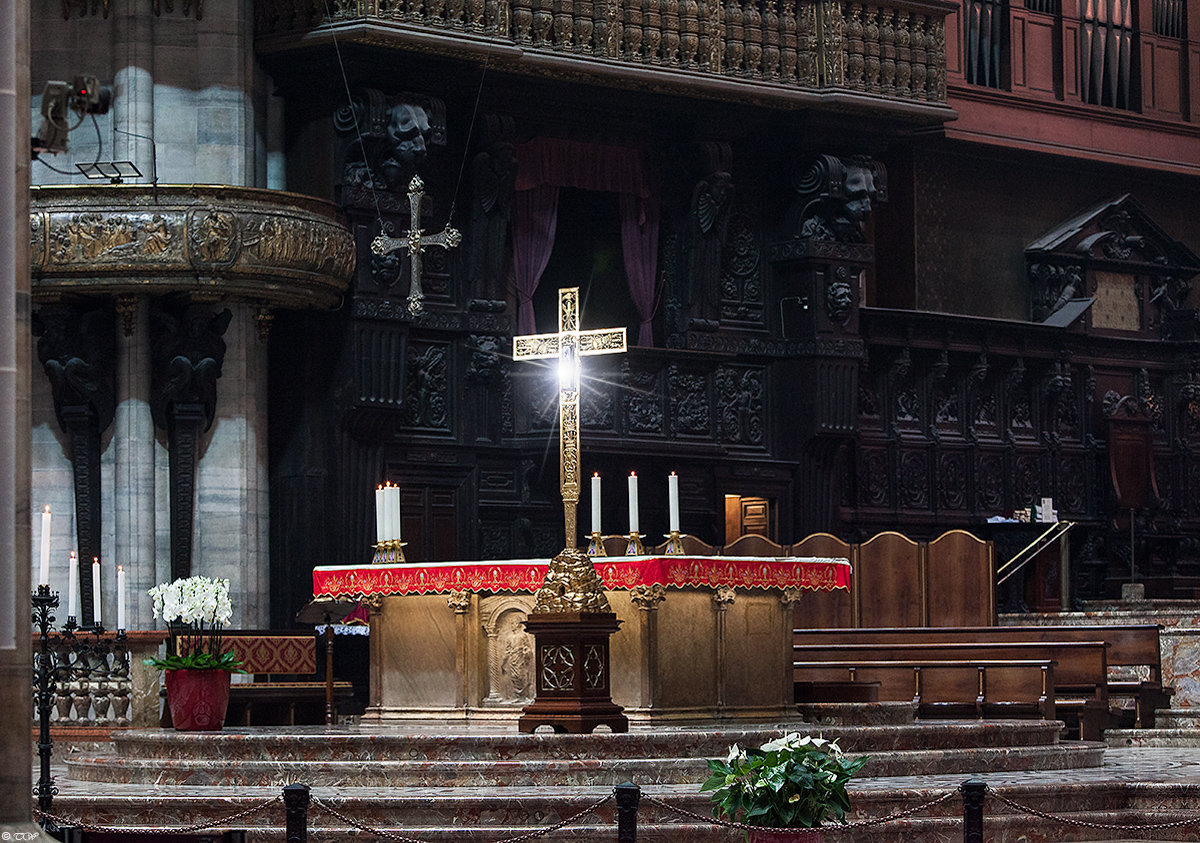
x=133, y=444
x=15, y=354
x=232, y=507
x=133, y=86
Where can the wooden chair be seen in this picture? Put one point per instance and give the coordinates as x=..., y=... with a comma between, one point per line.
x=692, y=546
x=825, y=609
x=960, y=571
x=753, y=545
x=615, y=545
x=889, y=576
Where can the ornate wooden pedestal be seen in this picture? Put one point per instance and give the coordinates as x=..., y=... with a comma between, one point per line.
x=572, y=673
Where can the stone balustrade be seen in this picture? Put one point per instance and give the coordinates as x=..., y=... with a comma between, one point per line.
x=109, y=687
x=894, y=50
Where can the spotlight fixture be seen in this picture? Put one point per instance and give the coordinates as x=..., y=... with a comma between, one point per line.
x=85, y=95
x=115, y=171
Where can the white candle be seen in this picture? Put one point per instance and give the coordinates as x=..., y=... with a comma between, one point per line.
x=73, y=587
x=385, y=502
x=96, y=590
x=396, y=513
x=44, y=570
x=633, y=502
x=120, y=598
x=673, y=501
x=596, y=502
x=380, y=516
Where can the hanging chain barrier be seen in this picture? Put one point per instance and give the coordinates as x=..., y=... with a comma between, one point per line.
x=571, y=820
x=1017, y=806
x=297, y=799
x=65, y=822
x=899, y=815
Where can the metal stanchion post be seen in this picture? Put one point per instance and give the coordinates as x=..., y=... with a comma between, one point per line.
x=295, y=802
x=628, y=795
x=973, y=794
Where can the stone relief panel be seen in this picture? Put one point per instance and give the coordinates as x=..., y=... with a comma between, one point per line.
x=510, y=649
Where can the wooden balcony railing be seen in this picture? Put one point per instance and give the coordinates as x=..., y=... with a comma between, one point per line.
x=776, y=49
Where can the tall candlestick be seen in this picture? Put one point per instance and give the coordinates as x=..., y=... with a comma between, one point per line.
x=596, y=502
x=73, y=587
x=96, y=590
x=380, y=516
x=44, y=569
x=633, y=502
x=673, y=501
x=120, y=599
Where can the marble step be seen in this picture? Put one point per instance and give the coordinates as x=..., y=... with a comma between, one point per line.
x=342, y=744
x=597, y=771
x=439, y=815
x=1177, y=718
x=1189, y=736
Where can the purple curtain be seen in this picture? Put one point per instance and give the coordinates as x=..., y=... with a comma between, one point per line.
x=534, y=218
x=588, y=166
x=639, y=242
x=545, y=165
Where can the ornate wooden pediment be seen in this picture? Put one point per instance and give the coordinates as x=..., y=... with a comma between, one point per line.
x=1117, y=265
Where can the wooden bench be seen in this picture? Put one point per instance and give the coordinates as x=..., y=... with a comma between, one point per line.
x=1080, y=667
x=1131, y=646
x=974, y=688
x=279, y=694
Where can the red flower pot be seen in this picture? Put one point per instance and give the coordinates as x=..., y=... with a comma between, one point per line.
x=198, y=699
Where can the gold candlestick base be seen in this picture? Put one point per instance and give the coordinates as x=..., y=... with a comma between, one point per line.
x=634, y=548
x=674, y=543
x=389, y=553
x=596, y=545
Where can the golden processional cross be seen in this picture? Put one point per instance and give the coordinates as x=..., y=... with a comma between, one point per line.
x=415, y=241
x=568, y=345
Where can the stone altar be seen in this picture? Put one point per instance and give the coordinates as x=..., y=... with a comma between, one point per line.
x=702, y=638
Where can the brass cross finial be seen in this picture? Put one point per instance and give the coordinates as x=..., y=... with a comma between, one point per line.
x=415, y=241
x=568, y=345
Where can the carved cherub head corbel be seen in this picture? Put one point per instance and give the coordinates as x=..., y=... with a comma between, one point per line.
x=839, y=195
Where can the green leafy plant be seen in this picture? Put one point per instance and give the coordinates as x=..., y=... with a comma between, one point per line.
x=790, y=782
x=195, y=608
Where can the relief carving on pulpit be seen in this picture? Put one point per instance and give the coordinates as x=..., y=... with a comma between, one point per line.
x=509, y=649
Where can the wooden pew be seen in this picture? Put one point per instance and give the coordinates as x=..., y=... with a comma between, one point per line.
x=1080, y=672
x=974, y=688
x=267, y=701
x=1130, y=646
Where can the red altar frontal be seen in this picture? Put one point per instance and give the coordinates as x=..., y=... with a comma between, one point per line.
x=702, y=638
